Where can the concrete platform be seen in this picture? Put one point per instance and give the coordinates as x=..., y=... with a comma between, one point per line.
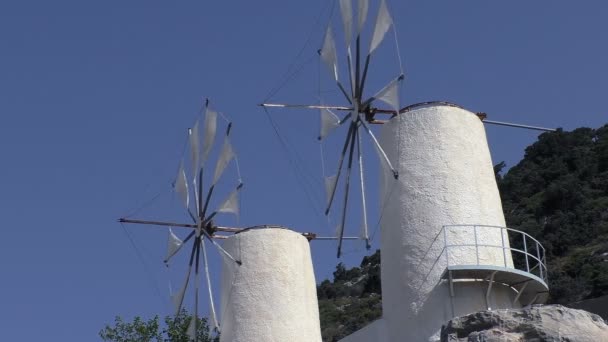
x=531, y=289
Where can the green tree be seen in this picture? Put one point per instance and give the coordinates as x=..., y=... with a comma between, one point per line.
x=140, y=330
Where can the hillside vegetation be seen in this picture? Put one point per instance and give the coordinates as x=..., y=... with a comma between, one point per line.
x=558, y=193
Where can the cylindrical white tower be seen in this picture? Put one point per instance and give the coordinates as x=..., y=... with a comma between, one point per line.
x=272, y=296
x=445, y=178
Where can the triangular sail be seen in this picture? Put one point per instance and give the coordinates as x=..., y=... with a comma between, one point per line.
x=362, y=15
x=390, y=94
x=329, y=54
x=225, y=157
x=383, y=23
x=329, y=121
x=173, y=245
x=330, y=186
x=178, y=298
x=231, y=204
x=210, y=130
x=194, y=149
x=346, y=9
x=181, y=186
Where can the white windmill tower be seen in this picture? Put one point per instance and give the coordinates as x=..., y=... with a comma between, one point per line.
x=445, y=248
x=268, y=286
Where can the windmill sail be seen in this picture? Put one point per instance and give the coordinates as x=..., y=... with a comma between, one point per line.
x=194, y=152
x=329, y=54
x=210, y=130
x=203, y=226
x=181, y=186
x=329, y=122
x=173, y=245
x=390, y=94
x=226, y=156
x=363, y=8
x=383, y=23
x=231, y=204
x=360, y=111
x=346, y=9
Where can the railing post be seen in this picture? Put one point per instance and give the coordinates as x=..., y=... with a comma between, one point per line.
x=540, y=266
x=526, y=253
x=504, y=253
x=476, y=244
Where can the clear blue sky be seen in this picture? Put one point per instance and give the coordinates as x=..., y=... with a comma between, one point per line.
x=95, y=99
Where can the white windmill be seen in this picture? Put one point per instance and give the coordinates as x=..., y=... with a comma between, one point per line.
x=267, y=273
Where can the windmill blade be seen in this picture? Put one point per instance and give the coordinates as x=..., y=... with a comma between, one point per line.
x=329, y=121
x=351, y=131
x=209, y=132
x=346, y=10
x=194, y=149
x=364, y=228
x=178, y=248
x=381, y=154
x=231, y=204
x=389, y=94
x=178, y=299
x=329, y=54
x=330, y=186
x=181, y=185
x=174, y=244
x=210, y=291
x=225, y=157
x=192, y=328
x=346, y=190
x=362, y=15
x=383, y=23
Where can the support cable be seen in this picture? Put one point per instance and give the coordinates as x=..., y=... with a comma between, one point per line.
x=293, y=165
x=149, y=274
x=290, y=73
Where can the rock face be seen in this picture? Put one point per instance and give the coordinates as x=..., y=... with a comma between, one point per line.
x=537, y=323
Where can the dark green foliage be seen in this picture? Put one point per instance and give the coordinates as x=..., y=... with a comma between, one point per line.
x=174, y=330
x=352, y=300
x=559, y=194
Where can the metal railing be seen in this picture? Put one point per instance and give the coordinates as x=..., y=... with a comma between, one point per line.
x=520, y=251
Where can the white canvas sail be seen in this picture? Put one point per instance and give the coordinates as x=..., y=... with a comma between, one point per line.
x=209, y=134
x=383, y=23
x=173, y=245
x=329, y=54
x=346, y=8
x=181, y=186
x=390, y=94
x=329, y=121
x=225, y=157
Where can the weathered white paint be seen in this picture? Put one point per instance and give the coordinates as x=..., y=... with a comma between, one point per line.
x=445, y=178
x=272, y=296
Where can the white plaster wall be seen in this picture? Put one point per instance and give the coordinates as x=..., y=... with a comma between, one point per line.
x=445, y=177
x=272, y=296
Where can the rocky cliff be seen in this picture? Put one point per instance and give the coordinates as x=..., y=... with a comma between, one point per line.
x=535, y=324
